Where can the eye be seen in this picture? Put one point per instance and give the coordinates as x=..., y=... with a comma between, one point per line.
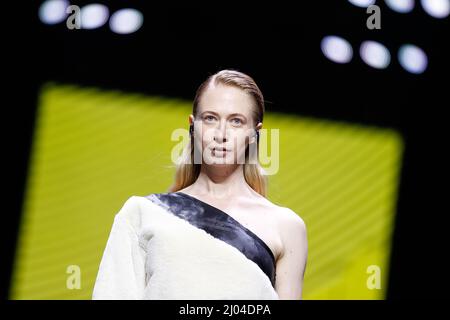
x=236, y=121
x=209, y=118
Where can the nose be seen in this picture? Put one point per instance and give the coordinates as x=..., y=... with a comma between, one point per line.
x=220, y=134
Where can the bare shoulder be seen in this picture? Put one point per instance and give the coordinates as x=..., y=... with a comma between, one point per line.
x=289, y=217
x=285, y=216
x=291, y=226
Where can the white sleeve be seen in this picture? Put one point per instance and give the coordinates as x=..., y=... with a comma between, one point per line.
x=121, y=274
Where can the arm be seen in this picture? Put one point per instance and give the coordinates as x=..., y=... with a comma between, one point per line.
x=292, y=262
x=121, y=274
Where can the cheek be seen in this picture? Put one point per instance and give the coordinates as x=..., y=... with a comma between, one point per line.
x=207, y=137
x=240, y=140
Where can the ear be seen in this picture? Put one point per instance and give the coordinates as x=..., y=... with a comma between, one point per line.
x=253, y=137
x=191, y=119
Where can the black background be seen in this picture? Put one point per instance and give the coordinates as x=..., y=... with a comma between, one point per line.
x=278, y=44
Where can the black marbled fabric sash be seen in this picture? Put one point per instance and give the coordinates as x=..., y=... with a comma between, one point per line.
x=220, y=225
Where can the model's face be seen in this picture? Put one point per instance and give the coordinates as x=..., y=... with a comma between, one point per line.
x=224, y=125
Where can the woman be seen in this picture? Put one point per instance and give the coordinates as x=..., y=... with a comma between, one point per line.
x=215, y=235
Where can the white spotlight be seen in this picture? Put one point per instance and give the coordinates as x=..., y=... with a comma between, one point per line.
x=375, y=54
x=362, y=3
x=53, y=11
x=93, y=16
x=401, y=6
x=412, y=58
x=436, y=8
x=126, y=21
x=336, y=49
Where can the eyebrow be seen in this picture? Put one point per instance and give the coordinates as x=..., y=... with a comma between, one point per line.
x=231, y=115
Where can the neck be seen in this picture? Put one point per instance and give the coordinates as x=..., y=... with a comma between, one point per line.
x=221, y=182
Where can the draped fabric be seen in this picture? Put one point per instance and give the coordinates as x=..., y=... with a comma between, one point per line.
x=174, y=246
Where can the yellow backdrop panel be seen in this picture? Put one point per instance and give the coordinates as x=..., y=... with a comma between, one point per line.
x=92, y=149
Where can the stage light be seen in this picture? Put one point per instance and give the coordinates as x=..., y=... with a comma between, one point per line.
x=126, y=21
x=362, y=3
x=412, y=58
x=53, y=11
x=93, y=16
x=375, y=54
x=436, y=8
x=401, y=6
x=336, y=49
